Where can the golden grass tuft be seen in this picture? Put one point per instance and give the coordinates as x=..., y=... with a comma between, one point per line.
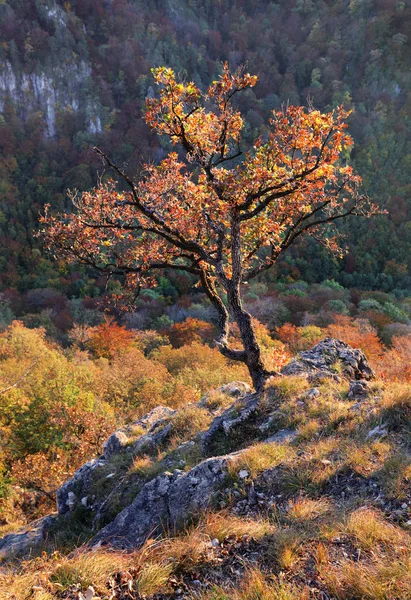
x=256, y=586
x=305, y=509
x=382, y=578
x=370, y=529
x=183, y=552
x=152, y=578
x=216, y=399
x=141, y=465
x=288, y=387
x=259, y=457
x=282, y=549
x=221, y=525
x=87, y=568
x=17, y=585
x=188, y=421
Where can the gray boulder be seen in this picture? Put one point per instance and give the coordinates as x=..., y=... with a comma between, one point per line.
x=358, y=390
x=230, y=422
x=164, y=502
x=331, y=357
x=27, y=539
x=71, y=493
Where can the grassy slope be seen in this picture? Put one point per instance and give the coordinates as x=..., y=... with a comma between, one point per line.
x=331, y=515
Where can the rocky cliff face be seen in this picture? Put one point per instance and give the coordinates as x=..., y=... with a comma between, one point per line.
x=145, y=482
x=60, y=85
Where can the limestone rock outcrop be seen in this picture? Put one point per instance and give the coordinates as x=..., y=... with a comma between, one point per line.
x=331, y=358
x=163, y=502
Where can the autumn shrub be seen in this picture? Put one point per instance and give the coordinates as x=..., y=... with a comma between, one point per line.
x=199, y=366
x=299, y=338
x=108, y=339
x=394, y=330
x=268, y=310
x=189, y=331
x=358, y=334
x=395, y=363
x=148, y=340
x=298, y=306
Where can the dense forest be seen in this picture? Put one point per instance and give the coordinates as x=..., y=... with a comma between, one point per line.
x=77, y=73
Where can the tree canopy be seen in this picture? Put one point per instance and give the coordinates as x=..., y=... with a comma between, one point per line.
x=211, y=209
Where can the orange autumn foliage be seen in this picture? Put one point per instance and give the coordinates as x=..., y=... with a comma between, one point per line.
x=189, y=331
x=108, y=339
x=358, y=334
x=396, y=362
x=298, y=338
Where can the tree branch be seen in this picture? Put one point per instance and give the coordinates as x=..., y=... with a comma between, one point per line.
x=16, y=383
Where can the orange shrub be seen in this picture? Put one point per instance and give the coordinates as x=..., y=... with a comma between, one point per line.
x=280, y=356
x=189, y=331
x=358, y=333
x=109, y=338
x=299, y=338
x=396, y=362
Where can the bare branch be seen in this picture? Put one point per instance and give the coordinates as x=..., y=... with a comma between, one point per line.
x=16, y=383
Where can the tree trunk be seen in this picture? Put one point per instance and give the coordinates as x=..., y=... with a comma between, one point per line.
x=252, y=349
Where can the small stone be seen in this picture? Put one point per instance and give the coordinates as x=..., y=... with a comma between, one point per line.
x=215, y=542
x=71, y=500
x=404, y=505
x=312, y=393
x=358, y=390
x=378, y=431
x=84, y=500
x=408, y=523
x=243, y=474
x=326, y=462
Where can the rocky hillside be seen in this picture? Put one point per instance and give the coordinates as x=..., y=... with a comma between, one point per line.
x=302, y=492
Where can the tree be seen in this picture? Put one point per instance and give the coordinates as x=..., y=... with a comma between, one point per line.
x=212, y=210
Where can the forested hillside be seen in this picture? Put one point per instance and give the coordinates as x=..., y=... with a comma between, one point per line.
x=73, y=74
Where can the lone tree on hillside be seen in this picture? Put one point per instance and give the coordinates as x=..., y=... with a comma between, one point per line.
x=211, y=210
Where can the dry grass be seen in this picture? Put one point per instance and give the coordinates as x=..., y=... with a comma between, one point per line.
x=256, y=459
x=184, y=552
x=134, y=432
x=305, y=509
x=256, y=586
x=288, y=388
x=282, y=549
x=87, y=568
x=221, y=525
x=17, y=585
x=44, y=577
x=152, y=577
x=216, y=400
x=370, y=529
x=395, y=474
x=141, y=464
x=308, y=430
x=188, y=421
x=367, y=458
x=381, y=578
x=396, y=407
